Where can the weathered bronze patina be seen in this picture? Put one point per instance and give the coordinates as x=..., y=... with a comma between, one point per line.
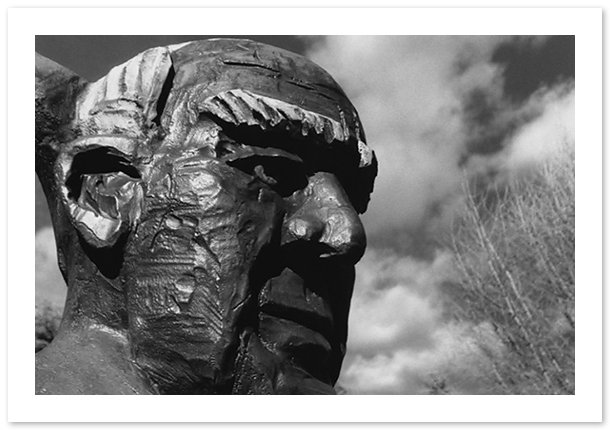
x=205, y=202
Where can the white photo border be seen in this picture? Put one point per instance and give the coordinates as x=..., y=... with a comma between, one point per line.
x=24, y=24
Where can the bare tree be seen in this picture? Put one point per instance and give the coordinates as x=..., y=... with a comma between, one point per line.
x=516, y=259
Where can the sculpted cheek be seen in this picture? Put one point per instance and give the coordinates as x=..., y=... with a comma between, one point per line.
x=190, y=261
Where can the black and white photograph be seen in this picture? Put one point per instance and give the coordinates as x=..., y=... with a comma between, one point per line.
x=325, y=214
x=467, y=282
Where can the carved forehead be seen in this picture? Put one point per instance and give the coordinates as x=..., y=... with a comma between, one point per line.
x=263, y=77
x=241, y=82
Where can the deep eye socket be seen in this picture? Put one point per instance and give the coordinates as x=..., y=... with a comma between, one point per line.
x=284, y=176
x=101, y=161
x=103, y=180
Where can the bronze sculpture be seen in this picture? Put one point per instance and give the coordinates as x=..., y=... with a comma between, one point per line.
x=205, y=202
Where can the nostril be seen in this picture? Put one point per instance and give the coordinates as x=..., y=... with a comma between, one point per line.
x=308, y=229
x=328, y=234
x=299, y=227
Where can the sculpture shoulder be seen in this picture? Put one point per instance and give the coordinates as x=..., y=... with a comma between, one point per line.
x=87, y=363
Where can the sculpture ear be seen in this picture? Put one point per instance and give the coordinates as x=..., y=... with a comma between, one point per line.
x=103, y=190
x=93, y=178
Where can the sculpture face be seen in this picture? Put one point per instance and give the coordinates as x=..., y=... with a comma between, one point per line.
x=222, y=216
x=242, y=261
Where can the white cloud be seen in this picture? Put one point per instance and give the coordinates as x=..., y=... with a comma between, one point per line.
x=397, y=334
x=540, y=139
x=453, y=358
x=392, y=318
x=408, y=91
x=548, y=132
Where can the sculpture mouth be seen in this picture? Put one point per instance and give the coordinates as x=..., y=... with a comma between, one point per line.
x=296, y=322
x=290, y=297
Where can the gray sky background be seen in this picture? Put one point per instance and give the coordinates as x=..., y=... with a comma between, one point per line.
x=437, y=110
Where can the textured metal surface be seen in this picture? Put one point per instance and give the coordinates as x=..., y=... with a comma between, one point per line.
x=205, y=201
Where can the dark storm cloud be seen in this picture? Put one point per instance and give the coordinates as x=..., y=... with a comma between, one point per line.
x=530, y=65
x=93, y=56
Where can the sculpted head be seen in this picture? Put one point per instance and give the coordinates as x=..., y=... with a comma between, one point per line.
x=205, y=200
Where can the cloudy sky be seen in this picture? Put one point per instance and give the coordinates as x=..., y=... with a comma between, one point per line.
x=437, y=110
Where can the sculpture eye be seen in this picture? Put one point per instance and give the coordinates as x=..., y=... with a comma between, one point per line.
x=283, y=175
x=103, y=181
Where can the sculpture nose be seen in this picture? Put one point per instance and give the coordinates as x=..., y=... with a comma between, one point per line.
x=326, y=221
